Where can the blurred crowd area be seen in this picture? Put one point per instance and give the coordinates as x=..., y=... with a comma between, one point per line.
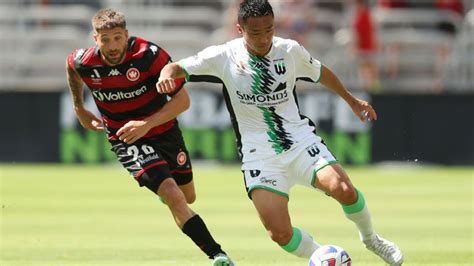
x=379, y=46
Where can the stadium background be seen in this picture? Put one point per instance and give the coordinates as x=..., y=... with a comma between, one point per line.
x=425, y=107
x=66, y=201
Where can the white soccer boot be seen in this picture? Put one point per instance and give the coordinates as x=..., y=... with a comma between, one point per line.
x=222, y=259
x=385, y=249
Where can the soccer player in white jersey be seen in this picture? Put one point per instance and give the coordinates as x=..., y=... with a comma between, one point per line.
x=278, y=145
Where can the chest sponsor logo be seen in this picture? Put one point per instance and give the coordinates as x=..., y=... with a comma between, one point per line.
x=278, y=96
x=114, y=96
x=133, y=74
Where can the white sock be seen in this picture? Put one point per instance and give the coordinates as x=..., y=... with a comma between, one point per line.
x=363, y=222
x=301, y=244
x=360, y=215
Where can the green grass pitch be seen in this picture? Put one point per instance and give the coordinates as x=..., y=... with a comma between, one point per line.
x=56, y=215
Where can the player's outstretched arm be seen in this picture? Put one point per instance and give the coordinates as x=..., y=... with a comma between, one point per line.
x=76, y=88
x=168, y=74
x=362, y=109
x=135, y=129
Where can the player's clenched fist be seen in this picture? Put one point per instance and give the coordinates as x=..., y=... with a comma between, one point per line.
x=165, y=85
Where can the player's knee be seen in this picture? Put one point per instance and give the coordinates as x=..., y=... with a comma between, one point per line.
x=171, y=193
x=281, y=237
x=345, y=193
x=190, y=197
x=175, y=200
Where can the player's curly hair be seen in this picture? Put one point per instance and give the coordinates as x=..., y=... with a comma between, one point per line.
x=254, y=8
x=108, y=18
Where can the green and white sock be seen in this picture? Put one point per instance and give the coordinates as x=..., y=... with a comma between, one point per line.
x=301, y=244
x=360, y=215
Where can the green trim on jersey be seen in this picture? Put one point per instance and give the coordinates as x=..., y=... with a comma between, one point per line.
x=262, y=77
x=272, y=133
x=262, y=80
x=357, y=206
x=186, y=74
x=269, y=189
x=256, y=81
x=295, y=241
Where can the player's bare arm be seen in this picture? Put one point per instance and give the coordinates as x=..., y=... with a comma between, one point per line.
x=135, y=129
x=86, y=118
x=362, y=109
x=168, y=74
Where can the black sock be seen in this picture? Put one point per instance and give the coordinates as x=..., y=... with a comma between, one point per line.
x=196, y=229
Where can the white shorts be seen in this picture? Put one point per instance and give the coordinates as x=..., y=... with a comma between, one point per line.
x=281, y=172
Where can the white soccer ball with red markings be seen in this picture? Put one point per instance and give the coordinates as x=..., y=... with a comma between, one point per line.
x=330, y=255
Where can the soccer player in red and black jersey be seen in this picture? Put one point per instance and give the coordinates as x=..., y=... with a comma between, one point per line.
x=141, y=125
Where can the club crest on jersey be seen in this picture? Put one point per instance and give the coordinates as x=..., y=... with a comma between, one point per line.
x=133, y=74
x=280, y=67
x=181, y=158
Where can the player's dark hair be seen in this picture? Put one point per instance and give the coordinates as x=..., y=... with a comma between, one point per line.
x=108, y=18
x=254, y=8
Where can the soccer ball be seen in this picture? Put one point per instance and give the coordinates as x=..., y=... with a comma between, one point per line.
x=330, y=255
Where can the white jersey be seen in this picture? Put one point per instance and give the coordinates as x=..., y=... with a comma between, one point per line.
x=259, y=92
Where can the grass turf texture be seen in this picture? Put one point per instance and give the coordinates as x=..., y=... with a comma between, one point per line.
x=55, y=215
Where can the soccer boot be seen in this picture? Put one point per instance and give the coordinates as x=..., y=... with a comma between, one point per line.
x=385, y=249
x=222, y=259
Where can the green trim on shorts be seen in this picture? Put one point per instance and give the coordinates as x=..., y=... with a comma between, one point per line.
x=162, y=200
x=268, y=189
x=320, y=74
x=294, y=241
x=313, y=179
x=357, y=206
x=186, y=74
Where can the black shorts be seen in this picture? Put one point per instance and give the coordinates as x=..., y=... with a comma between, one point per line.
x=152, y=160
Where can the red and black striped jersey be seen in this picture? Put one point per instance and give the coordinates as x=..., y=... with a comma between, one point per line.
x=126, y=91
